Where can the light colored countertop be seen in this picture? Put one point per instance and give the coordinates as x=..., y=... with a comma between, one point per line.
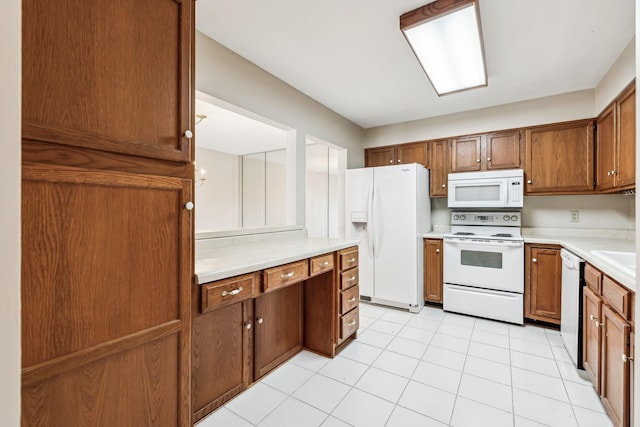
x=215, y=263
x=580, y=242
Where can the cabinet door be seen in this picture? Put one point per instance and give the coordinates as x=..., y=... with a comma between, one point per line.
x=615, y=368
x=592, y=335
x=560, y=158
x=439, y=168
x=502, y=150
x=222, y=351
x=382, y=156
x=412, y=153
x=605, y=148
x=625, y=170
x=465, y=154
x=545, y=284
x=278, y=327
x=112, y=75
x=433, y=270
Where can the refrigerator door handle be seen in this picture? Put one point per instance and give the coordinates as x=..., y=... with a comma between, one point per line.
x=370, y=223
x=376, y=209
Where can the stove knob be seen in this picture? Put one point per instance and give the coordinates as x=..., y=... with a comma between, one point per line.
x=463, y=217
x=506, y=217
x=514, y=217
x=456, y=217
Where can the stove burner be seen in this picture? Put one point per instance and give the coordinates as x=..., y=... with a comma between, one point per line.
x=502, y=235
x=463, y=233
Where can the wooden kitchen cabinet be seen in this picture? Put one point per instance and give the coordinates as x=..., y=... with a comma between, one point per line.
x=543, y=283
x=278, y=328
x=348, y=297
x=222, y=356
x=439, y=167
x=608, y=324
x=615, y=143
x=559, y=158
x=107, y=245
x=433, y=270
x=414, y=152
x=492, y=151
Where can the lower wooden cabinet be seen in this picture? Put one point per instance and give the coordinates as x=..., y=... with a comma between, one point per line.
x=543, y=283
x=221, y=356
x=433, y=270
x=607, y=344
x=278, y=328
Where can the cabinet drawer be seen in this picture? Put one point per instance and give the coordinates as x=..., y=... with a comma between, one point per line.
x=349, y=299
x=348, y=279
x=593, y=278
x=285, y=275
x=348, y=258
x=618, y=297
x=227, y=291
x=320, y=264
x=349, y=323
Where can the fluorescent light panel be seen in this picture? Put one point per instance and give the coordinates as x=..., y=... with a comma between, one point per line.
x=449, y=48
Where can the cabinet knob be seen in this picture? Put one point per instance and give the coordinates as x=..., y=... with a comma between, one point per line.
x=444, y=186
x=599, y=324
x=398, y=160
x=437, y=251
x=391, y=161
x=528, y=181
x=477, y=160
x=188, y=134
x=534, y=259
x=188, y=206
x=626, y=358
x=247, y=325
x=259, y=320
x=609, y=173
x=592, y=317
x=488, y=159
x=614, y=172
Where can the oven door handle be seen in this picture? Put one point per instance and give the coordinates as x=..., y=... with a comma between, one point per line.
x=485, y=243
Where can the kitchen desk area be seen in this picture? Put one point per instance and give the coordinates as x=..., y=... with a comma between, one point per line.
x=257, y=302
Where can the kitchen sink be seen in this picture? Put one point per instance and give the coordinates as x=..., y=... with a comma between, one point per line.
x=625, y=261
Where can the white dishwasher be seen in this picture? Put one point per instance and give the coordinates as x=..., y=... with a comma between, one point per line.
x=571, y=316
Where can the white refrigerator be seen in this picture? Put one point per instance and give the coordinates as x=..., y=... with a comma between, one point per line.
x=388, y=210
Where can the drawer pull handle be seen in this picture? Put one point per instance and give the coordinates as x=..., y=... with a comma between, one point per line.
x=352, y=260
x=626, y=358
x=352, y=323
x=352, y=279
x=289, y=275
x=324, y=264
x=233, y=292
x=352, y=299
x=592, y=317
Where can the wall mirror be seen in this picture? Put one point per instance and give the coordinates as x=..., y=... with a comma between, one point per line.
x=244, y=171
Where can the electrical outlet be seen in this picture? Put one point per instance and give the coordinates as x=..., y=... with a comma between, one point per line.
x=574, y=216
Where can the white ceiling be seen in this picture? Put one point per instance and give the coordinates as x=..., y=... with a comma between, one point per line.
x=351, y=56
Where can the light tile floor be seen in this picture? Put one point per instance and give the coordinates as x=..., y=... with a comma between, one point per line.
x=427, y=369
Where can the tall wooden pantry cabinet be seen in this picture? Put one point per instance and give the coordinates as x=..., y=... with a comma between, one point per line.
x=107, y=183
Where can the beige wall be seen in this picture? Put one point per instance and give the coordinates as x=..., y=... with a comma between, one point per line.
x=10, y=213
x=622, y=71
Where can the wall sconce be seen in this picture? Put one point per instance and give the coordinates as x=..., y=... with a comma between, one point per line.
x=200, y=177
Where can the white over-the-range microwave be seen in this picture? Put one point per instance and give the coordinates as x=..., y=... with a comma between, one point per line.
x=490, y=189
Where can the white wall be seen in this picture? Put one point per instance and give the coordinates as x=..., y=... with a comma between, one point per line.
x=225, y=75
x=10, y=78
x=622, y=71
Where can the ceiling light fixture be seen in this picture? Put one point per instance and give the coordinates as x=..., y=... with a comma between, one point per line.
x=446, y=37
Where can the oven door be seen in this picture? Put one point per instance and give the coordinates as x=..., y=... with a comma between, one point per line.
x=478, y=193
x=488, y=264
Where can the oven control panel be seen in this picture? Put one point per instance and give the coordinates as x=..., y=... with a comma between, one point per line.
x=505, y=218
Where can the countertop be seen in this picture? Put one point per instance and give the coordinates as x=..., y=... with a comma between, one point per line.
x=580, y=242
x=222, y=262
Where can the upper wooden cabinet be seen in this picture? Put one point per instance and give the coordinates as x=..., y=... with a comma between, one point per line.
x=497, y=150
x=438, y=166
x=543, y=283
x=560, y=158
x=415, y=152
x=109, y=75
x=615, y=143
